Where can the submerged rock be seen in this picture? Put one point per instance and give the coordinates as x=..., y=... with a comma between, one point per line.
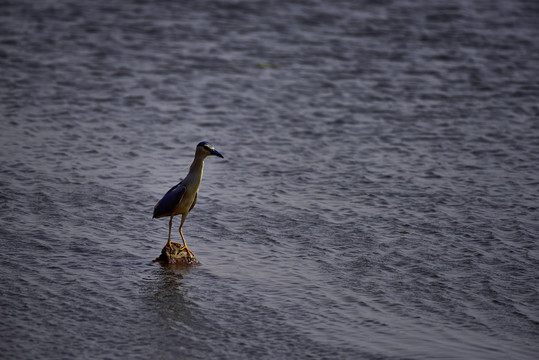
x=176, y=254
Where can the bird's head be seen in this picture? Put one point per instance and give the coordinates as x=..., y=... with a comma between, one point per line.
x=207, y=149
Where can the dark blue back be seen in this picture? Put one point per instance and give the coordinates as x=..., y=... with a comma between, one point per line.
x=166, y=205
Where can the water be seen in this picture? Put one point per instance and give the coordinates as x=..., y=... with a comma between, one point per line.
x=377, y=200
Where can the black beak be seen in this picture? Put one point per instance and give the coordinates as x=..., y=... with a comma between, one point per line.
x=216, y=153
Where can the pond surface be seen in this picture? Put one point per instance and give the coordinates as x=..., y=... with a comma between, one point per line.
x=377, y=200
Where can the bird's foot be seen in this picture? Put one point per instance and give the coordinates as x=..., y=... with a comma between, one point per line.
x=191, y=255
x=182, y=248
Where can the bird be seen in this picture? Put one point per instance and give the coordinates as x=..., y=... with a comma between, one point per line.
x=182, y=197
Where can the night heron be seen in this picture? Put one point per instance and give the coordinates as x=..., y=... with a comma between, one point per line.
x=182, y=198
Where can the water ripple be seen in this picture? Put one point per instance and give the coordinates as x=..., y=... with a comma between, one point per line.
x=377, y=198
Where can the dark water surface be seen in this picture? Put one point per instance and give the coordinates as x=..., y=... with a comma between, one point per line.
x=377, y=200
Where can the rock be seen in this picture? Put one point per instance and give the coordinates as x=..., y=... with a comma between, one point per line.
x=176, y=254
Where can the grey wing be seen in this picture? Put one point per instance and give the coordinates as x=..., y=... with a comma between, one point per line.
x=166, y=205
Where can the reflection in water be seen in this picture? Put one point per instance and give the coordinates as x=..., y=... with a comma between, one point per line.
x=165, y=292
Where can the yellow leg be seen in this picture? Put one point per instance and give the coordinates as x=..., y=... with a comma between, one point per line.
x=169, y=230
x=184, y=216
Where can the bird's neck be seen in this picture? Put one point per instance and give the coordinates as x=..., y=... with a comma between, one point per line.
x=197, y=166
